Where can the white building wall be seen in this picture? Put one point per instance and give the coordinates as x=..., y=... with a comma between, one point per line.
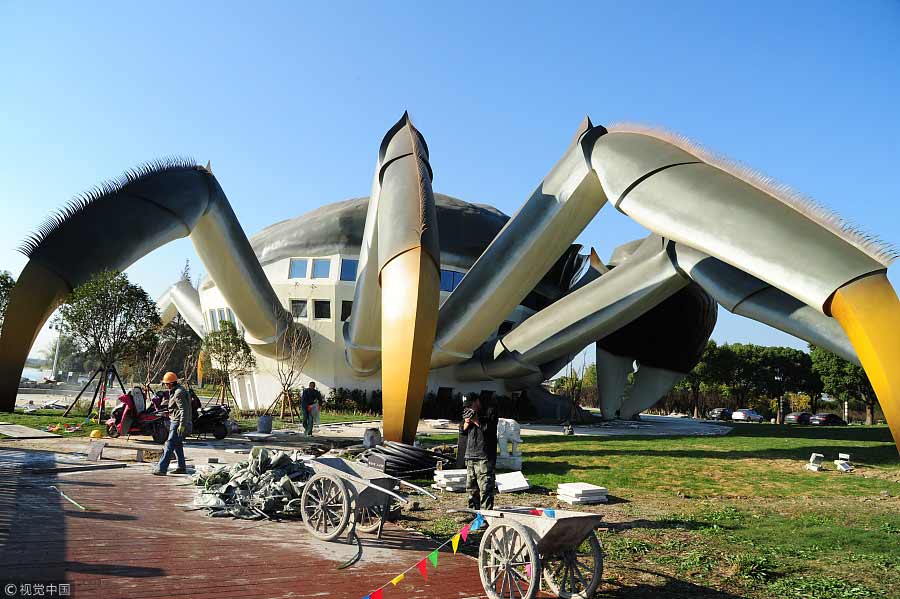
x=327, y=365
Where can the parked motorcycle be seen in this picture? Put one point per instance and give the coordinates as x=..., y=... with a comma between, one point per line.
x=131, y=417
x=210, y=420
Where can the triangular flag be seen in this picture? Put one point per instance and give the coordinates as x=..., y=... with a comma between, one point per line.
x=535, y=512
x=464, y=533
x=476, y=523
x=550, y=513
x=376, y=594
x=528, y=570
x=455, y=542
x=397, y=579
x=432, y=557
x=423, y=568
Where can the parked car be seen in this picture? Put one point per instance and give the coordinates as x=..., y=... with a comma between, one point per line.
x=747, y=415
x=797, y=418
x=827, y=420
x=719, y=414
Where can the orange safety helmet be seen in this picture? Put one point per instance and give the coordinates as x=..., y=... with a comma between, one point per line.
x=170, y=377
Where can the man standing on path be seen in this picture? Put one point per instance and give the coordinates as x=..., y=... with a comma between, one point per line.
x=181, y=421
x=309, y=398
x=480, y=426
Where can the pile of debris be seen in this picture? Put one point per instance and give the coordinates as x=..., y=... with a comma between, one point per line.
x=268, y=484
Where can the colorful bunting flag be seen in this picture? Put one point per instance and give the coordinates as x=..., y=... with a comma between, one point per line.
x=423, y=568
x=535, y=512
x=455, y=542
x=528, y=569
x=464, y=533
x=376, y=594
x=432, y=557
x=550, y=513
x=397, y=579
x=477, y=522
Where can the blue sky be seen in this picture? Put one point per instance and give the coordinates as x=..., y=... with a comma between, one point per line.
x=290, y=100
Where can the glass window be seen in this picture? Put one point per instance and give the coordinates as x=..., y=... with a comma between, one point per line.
x=222, y=315
x=348, y=269
x=298, y=308
x=346, y=309
x=298, y=268
x=446, y=280
x=231, y=316
x=213, y=320
x=322, y=308
x=321, y=268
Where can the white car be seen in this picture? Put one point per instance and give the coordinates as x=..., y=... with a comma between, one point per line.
x=747, y=415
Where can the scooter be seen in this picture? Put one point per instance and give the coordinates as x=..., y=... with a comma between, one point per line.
x=211, y=419
x=131, y=418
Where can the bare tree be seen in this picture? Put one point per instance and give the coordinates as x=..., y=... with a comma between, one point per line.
x=291, y=354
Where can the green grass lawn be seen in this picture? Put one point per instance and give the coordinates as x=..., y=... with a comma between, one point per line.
x=737, y=515
x=39, y=419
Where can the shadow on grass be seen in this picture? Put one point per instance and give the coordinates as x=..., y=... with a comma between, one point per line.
x=671, y=588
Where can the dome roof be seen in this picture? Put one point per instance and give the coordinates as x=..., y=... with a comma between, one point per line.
x=465, y=231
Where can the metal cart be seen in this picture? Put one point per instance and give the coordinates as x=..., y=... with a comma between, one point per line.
x=522, y=544
x=344, y=495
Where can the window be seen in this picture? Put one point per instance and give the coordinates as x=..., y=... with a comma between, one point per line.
x=450, y=279
x=231, y=316
x=321, y=268
x=222, y=315
x=321, y=309
x=298, y=268
x=346, y=309
x=213, y=321
x=298, y=308
x=348, y=269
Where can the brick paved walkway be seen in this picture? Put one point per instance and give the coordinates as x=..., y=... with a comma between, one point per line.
x=139, y=543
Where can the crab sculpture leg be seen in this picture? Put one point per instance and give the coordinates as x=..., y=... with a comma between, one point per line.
x=719, y=234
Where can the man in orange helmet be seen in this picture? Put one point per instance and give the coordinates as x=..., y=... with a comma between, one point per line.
x=180, y=425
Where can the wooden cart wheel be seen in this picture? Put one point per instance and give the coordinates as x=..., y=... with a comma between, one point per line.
x=508, y=562
x=325, y=505
x=368, y=518
x=575, y=573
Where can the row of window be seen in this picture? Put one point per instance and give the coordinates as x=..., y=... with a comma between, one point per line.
x=320, y=268
x=321, y=309
x=215, y=316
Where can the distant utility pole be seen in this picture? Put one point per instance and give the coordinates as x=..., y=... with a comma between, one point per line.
x=55, y=354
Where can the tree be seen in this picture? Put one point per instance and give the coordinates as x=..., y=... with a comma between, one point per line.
x=7, y=282
x=110, y=318
x=230, y=352
x=844, y=380
x=291, y=354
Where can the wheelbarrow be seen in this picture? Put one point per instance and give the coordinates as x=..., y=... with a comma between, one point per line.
x=344, y=495
x=522, y=545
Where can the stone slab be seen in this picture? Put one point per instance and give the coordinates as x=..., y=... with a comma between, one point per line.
x=18, y=431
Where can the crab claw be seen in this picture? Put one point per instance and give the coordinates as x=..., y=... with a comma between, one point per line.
x=684, y=193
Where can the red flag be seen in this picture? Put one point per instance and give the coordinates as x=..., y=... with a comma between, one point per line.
x=423, y=568
x=464, y=533
x=376, y=594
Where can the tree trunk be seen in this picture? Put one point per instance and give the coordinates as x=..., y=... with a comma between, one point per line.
x=870, y=413
x=695, y=391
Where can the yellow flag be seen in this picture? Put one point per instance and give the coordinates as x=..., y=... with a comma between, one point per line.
x=397, y=579
x=455, y=542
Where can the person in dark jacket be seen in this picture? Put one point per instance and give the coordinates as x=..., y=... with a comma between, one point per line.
x=480, y=426
x=309, y=398
x=180, y=425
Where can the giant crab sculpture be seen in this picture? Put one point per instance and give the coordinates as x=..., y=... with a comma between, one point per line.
x=719, y=232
